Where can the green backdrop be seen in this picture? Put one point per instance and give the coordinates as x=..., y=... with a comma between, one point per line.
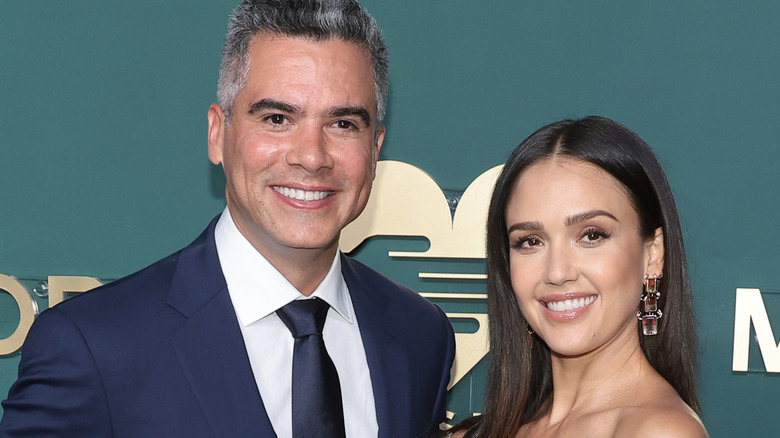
x=103, y=165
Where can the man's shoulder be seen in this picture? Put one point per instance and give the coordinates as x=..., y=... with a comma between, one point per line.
x=145, y=288
x=139, y=289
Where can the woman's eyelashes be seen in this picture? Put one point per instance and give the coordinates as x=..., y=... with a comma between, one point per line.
x=526, y=243
x=591, y=236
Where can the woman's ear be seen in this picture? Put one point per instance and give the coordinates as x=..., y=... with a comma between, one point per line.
x=654, y=254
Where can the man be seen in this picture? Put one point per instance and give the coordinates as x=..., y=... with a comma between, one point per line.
x=195, y=345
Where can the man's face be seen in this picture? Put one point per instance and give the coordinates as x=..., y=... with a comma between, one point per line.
x=299, y=152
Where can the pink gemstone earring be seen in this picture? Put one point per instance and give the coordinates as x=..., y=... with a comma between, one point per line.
x=649, y=314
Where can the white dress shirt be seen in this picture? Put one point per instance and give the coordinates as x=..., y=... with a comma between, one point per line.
x=257, y=290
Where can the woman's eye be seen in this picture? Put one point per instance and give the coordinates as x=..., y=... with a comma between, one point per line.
x=594, y=236
x=526, y=243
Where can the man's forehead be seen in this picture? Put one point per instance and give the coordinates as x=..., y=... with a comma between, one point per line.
x=274, y=72
x=274, y=49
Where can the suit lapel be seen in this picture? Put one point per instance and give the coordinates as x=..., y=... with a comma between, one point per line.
x=210, y=346
x=387, y=361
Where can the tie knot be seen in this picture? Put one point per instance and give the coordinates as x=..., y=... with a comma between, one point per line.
x=304, y=317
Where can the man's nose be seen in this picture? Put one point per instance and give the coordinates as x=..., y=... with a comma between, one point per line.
x=309, y=149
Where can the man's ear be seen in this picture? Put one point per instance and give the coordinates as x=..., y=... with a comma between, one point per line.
x=380, y=137
x=216, y=133
x=654, y=253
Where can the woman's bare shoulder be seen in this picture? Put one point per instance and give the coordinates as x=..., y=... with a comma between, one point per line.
x=661, y=421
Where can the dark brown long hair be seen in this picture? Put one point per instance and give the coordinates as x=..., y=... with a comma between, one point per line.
x=519, y=382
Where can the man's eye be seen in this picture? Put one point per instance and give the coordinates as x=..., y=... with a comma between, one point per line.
x=345, y=124
x=277, y=119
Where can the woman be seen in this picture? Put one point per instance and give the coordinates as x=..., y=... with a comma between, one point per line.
x=583, y=236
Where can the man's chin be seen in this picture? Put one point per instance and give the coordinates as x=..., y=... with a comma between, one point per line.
x=314, y=245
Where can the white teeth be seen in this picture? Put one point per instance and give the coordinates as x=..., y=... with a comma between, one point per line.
x=302, y=195
x=570, y=304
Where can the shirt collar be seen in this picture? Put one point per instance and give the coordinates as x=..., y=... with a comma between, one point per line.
x=257, y=289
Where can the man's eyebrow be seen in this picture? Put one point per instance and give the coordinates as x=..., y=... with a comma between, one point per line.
x=581, y=217
x=526, y=226
x=273, y=104
x=359, y=111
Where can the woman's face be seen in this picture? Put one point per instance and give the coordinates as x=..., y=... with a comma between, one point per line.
x=576, y=256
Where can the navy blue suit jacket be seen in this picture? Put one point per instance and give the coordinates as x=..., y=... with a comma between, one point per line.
x=160, y=354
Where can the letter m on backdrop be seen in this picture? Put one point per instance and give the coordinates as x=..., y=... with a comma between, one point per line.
x=750, y=307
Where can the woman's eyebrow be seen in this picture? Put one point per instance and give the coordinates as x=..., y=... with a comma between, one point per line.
x=581, y=217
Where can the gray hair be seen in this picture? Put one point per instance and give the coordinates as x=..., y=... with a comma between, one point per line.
x=319, y=20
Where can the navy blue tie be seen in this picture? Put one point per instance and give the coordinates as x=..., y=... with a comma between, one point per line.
x=316, y=395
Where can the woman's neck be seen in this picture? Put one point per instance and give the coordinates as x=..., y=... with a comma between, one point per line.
x=601, y=379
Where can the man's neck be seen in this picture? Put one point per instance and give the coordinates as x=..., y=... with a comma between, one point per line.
x=303, y=268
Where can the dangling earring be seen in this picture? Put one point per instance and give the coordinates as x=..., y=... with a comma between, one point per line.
x=531, y=335
x=649, y=314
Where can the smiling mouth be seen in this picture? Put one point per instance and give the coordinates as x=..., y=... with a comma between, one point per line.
x=302, y=195
x=570, y=304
